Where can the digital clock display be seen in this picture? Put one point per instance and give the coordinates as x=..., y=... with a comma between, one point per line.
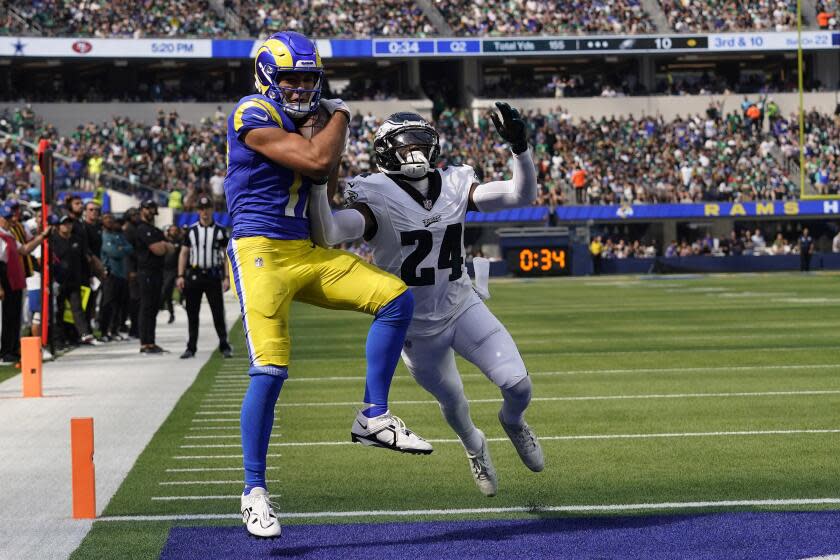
x=528, y=261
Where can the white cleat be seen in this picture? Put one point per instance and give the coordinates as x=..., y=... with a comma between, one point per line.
x=482, y=469
x=389, y=432
x=258, y=515
x=525, y=442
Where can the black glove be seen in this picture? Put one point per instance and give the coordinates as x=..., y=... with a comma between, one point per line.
x=512, y=128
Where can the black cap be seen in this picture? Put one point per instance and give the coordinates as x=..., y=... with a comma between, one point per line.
x=65, y=219
x=149, y=203
x=52, y=220
x=204, y=202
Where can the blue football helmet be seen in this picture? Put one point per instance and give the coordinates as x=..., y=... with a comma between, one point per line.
x=289, y=51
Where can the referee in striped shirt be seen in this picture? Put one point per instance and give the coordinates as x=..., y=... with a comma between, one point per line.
x=202, y=270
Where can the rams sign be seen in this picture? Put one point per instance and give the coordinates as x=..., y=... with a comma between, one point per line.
x=641, y=212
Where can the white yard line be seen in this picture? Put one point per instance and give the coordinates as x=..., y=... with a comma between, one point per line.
x=213, y=469
x=561, y=399
x=214, y=436
x=194, y=482
x=594, y=353
x=173, y=498
x=238, y=456
x=554, y=438
x=607, y=508
x=294, y=379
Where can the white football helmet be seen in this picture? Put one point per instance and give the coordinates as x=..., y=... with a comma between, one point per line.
x=405, y=144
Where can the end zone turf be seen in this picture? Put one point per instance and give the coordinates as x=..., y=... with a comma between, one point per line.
x=734, y=536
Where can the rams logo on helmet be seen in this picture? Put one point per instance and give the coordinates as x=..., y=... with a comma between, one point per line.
x=289, y=52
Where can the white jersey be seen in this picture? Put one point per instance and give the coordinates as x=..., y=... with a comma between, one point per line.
x=421, y=240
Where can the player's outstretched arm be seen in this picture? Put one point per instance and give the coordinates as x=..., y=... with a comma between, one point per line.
x=522, y=189
x=330, y=229
x=313, y=157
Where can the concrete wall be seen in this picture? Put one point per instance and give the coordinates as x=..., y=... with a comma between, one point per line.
x=668, y=106
x=120, y=202
x=67, y=116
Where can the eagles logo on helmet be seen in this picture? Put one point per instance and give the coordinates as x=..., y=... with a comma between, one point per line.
x=406, y=145
x=283, y=53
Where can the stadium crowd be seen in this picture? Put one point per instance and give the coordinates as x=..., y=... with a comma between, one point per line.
x=744, y=242
x=543, y=17
x=361, y=18
x=740, y=242
x=741, y=155
x=827, y=14
x=719, y=16
x=96, y=18
x=320, y=18
x=179, y=158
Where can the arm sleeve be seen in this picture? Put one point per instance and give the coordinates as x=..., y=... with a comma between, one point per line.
x=516, y=193
x=330, y=229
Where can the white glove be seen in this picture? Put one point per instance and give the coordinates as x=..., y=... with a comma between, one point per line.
x=333, y=105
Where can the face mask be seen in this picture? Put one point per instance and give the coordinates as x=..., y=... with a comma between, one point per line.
x=415, y=164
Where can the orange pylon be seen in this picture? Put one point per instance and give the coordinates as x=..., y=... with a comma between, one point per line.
x=84, y=479
x=30, y=361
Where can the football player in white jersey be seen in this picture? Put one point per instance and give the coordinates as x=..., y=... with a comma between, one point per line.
x=412, y=215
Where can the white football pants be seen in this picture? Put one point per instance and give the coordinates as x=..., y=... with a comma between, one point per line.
x=480, y=338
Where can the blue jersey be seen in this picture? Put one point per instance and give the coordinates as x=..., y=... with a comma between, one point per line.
x=264, y=198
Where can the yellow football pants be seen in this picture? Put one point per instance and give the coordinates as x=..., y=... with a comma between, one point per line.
x=269, y=273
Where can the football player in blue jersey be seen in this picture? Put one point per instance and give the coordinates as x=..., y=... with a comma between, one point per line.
x=273, y=261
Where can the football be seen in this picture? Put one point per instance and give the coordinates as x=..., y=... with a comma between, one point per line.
x=315, y=123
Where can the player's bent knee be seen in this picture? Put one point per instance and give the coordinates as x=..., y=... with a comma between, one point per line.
x=521, y=388
x=510, y=374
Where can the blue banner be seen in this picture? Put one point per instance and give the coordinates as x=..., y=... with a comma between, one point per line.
x=636, y=212
x=232, y=48
x=350, y=48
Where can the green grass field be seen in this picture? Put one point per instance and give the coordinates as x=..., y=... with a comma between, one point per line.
x=8, y=371
x=735, y=376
